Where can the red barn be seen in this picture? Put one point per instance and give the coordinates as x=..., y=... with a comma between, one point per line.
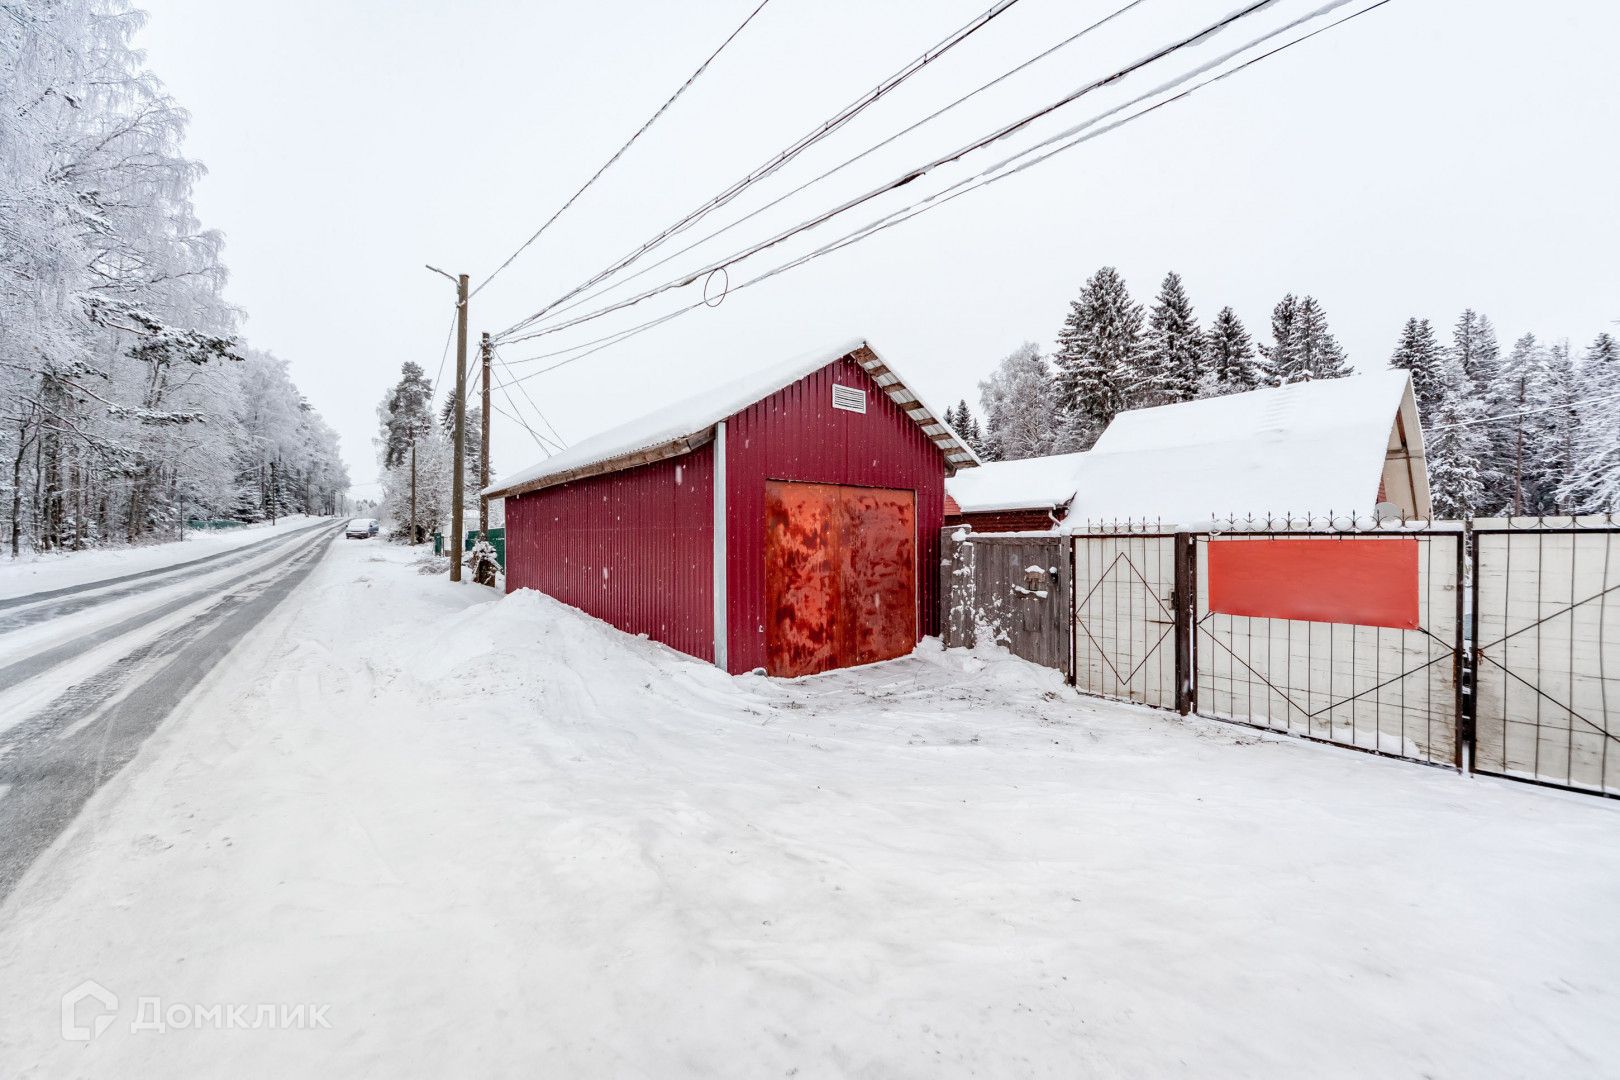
x=789, y=521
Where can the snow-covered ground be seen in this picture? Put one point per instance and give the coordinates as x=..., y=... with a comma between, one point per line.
x=491, y=837
x=35, y=572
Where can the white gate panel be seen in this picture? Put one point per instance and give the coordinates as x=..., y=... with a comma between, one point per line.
x=1375, y=688
x=1124, y=638
x=1547, y=655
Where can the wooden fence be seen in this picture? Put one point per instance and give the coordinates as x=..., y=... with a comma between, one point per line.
x=1011, y=590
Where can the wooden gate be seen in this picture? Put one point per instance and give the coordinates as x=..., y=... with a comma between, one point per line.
x=1008, y=590
x=1349, y=638
x=840, y=576
x=1125, y=640
x=1546, y=632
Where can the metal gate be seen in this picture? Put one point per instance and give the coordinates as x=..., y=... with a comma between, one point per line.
x=1125, y=639
x=1377, y=688
x=1546, y=631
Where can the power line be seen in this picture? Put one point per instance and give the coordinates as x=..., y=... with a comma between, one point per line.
x=546, y=445
x=811, y=138
x=940, y=198
x=936, y=114
x=449, y=335
x=1526, y=412
x=524, y=424
x=1074, y=136
x=560, y=442
x=922, y=170
x=617, y=154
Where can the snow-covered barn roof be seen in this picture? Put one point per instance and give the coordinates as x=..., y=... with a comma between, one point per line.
x=683, y=426
x=1030, y=483
x=1326, y=446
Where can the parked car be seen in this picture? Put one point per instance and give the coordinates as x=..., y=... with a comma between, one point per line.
x=361, y=529
x=374, y=526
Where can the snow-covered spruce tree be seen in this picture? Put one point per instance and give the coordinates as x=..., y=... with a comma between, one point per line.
x=427, y=487
x=966, y=425
x=472, y=433
x=1475, y=350
x=1230, y=365
x=975, y=435
x=1509, y=453
x=1455, y=439
x=1099, y=356
x=404, y=422
x=1173, y=353
x=1320, y=356
x=1593, y=485
x=1020, y=407
x=1552, y=430
x=1301, y=346
x=1280, y=363
x=1417, y=352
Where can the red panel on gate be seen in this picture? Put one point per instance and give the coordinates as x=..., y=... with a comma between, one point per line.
x=1366, y=582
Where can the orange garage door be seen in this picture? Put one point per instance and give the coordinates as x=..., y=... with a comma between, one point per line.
x=840, y=576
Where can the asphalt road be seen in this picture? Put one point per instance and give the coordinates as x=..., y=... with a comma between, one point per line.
x=56, y=757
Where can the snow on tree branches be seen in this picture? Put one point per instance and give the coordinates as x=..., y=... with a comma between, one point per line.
x=1532, y=432
x=127, y=403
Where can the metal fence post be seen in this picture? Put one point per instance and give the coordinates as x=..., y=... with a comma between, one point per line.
x=1185, y=604
x=1466, y=668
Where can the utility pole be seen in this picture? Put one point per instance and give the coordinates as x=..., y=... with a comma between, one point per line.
x=483, y=443
x=460, y=466
x=459, y=460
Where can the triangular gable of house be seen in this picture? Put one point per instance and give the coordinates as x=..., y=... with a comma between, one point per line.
x=685, y=425
x=1334, y=446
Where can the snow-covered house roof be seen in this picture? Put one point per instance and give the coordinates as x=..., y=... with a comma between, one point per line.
x=683, y=426
x=1027, y=484
x=1337, y=446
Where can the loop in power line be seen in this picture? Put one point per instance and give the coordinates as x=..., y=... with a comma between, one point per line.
x=725, y=289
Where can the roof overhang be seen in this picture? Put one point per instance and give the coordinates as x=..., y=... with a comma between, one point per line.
x=662, y=452
x=957, y=454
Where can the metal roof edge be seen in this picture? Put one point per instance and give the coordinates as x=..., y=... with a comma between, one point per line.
x=651, y=455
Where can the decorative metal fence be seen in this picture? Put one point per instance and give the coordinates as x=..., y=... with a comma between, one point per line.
x=1125, y=617
x=1546, y=635
x=1490, y=646
x=1388, y=685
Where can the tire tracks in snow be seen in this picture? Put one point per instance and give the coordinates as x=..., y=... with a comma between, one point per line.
x=68, y=607
x=53, y=762
x=19, y=672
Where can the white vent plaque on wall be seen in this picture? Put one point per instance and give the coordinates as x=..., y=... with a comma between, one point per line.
x=849, y=398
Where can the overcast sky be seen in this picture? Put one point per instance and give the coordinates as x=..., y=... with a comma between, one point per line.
x=1431, y=155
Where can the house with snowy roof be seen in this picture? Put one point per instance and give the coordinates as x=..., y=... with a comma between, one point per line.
x=789, y=520
x=1029, y=495
x=1341, y=446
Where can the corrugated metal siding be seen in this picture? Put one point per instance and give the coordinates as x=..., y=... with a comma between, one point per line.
x=796, y=434
x=633, y=548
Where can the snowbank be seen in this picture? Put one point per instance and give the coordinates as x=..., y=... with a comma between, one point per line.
x=497, y=838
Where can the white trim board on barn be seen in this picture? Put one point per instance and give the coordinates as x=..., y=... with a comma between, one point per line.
x=683, y=426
